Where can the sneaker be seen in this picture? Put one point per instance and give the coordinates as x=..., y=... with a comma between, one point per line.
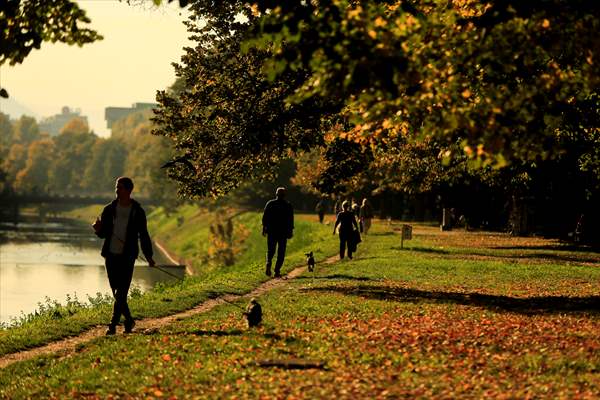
x=268, y=270
x=277, y=274
x=112, y=329
x=129, y=325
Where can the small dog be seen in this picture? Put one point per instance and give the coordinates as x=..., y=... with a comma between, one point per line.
x=310, y=261
x=253, y=313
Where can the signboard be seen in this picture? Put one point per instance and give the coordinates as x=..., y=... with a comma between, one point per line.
x=406, y=234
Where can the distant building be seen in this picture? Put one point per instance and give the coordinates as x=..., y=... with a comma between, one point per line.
x=112, y=114
x=52, y=125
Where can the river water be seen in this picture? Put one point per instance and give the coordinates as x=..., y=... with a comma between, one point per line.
x=53, y=260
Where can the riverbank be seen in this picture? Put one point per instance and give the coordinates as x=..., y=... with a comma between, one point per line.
x=57, y=259
x=450, y=315
x=54, y=321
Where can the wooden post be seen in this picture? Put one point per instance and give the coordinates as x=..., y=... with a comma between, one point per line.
x=406, y=234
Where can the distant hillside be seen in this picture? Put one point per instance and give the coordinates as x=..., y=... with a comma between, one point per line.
x=15, y=109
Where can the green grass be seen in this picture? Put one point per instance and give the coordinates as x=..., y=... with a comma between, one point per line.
x=57, y=322
x=393, y=323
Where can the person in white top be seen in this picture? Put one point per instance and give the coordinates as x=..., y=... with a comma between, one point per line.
x=121, y=224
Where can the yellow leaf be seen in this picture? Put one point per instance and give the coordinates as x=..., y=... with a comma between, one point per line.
x=372, y=34
x=379, y=22
x=466, y=93
x=545, y=24
x=355, y=13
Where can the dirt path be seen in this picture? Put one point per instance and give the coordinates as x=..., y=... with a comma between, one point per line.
x=68, y=345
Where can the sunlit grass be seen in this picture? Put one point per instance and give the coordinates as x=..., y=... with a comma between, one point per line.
x=413, y=322
x=51, y=323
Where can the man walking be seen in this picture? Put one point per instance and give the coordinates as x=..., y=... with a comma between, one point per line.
x=278, y=226
x=122, y=222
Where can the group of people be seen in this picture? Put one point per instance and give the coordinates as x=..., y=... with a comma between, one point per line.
x=278, y=226
x=123, y=222
x=364, y=212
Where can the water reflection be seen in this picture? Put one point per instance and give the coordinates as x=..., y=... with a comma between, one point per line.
x=38, y=261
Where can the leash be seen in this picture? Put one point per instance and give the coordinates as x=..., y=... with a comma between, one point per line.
x=160, y=268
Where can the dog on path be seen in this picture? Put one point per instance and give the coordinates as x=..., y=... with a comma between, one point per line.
x=253, y=313
x=310, y=261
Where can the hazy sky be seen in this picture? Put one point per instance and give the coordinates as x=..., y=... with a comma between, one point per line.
x=128, y=66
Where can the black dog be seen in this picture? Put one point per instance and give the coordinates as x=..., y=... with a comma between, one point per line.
x=253, y=313
x=310, y=261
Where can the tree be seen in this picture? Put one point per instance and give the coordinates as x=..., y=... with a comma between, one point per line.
x=5, y=144
x=73, y=149
x=25, y=24
x=144, y=161
x=6, y=134
x=34, y=177
x=124, y=128
x=14, y=161
x=26, y=130
x=76, y=126
x=231, y=123
x=495, y=75
x=491, y=81
x=106, y=164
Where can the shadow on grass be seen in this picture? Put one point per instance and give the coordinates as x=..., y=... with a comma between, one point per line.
x=336, y=276
x=531, y=305
x=549, y=257
x=574, y=258
x=231, y=332
x=552, y=247
x=421, y=250
x=237, y=332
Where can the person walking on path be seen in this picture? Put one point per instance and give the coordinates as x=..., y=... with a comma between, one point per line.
x=348, y=225
x=121, y=223
x=365, y=215
x=278, y=227
x=320, y=209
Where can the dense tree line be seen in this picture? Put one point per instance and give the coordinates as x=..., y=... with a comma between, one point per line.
x=79, y=162
x=473, y=102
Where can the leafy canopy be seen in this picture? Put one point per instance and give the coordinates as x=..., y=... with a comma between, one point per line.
x=496, y=82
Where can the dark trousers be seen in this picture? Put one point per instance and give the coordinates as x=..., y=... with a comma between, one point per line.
x=345, y=242
x=276, y=242
x=120, y=271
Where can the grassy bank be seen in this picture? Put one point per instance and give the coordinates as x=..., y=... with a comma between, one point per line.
x=451, y=315
x=190, y=237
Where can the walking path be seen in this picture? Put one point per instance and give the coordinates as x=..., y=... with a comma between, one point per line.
x=68, y=345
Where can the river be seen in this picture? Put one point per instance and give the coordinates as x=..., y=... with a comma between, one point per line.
x=56, y=259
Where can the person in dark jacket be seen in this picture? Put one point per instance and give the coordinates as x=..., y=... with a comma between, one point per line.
x=278, y=227
x=320, y=209
x=121, y=223
x=347, y=223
